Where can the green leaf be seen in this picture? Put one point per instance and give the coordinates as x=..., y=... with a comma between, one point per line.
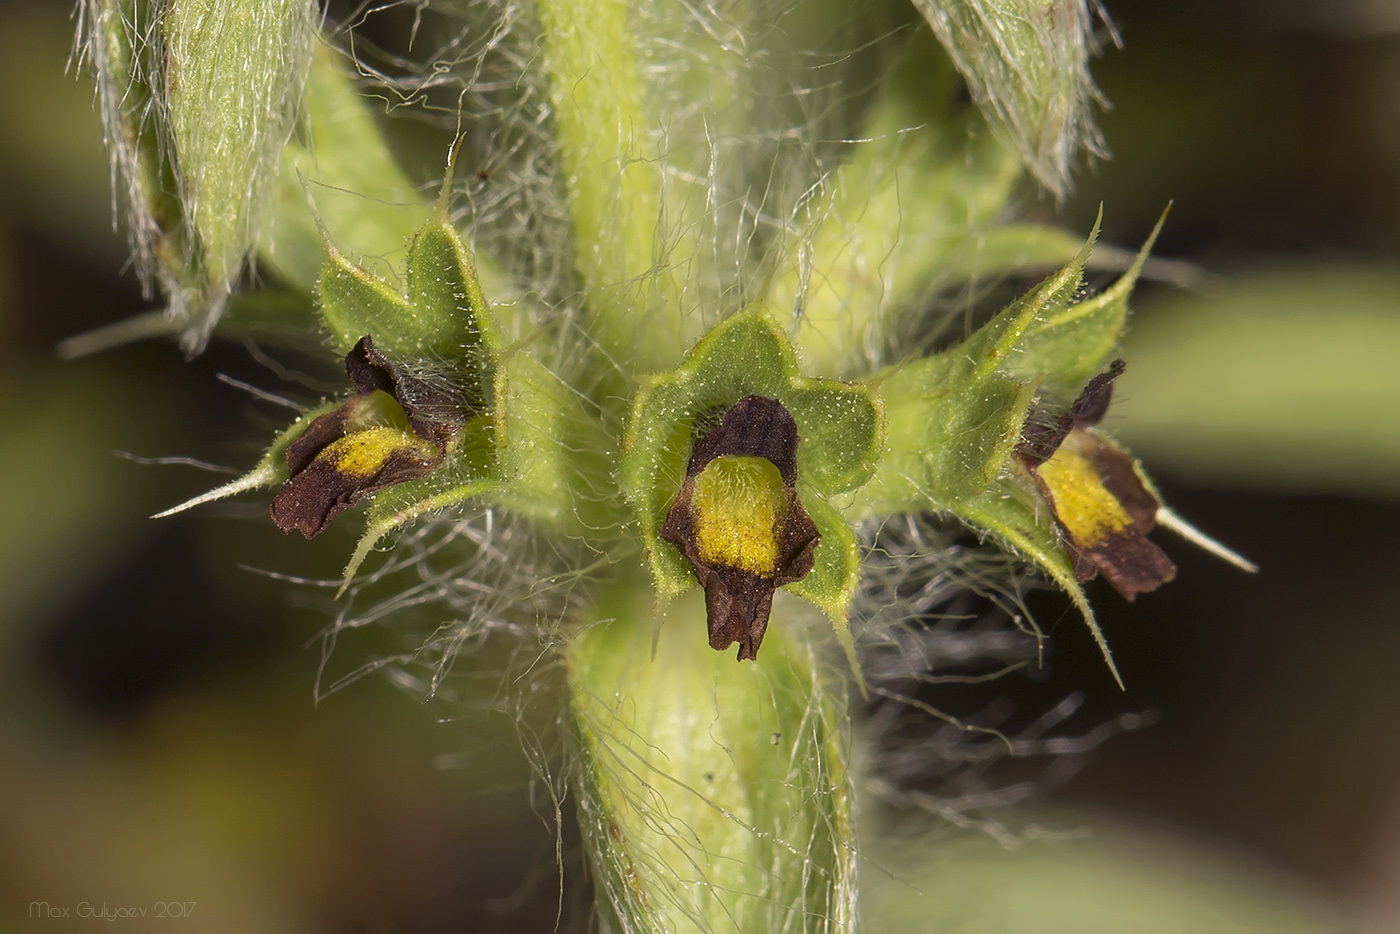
x=449, y=315
x=198, y=98
x=841, y=430
x=955, y=417
x=1026, y=63
x=233, y=78
x=127, y=65
x=354, y=302
x=902, y=219
x=651, y=471
x=743, y=355
x=992, y=346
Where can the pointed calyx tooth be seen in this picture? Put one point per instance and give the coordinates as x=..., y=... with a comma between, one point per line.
x=394, y=428
x=1101, y=505
x=739, y=522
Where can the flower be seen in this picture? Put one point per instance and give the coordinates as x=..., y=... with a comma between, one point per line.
x=1101, y=505
x=395, y=428
x=714, y=508
x=739, y=522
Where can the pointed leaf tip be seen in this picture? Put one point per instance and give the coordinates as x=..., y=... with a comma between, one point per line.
x=1170, y=519
x=263, y=475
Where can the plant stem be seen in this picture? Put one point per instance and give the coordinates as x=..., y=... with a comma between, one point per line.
x=614, y=179
x=715, y=795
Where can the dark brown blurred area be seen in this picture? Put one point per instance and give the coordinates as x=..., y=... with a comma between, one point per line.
x=159, y=741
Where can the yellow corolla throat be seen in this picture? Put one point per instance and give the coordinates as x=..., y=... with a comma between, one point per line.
x=1088, y=511
x=362, y=454
x=739, y=504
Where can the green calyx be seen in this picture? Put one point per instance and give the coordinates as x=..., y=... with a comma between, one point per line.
x=471, y=418
x=840, y=427
x=955, y=418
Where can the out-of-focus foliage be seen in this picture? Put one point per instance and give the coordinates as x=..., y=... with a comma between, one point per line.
x=1115, y=881
x=1286, y=379
x=1026, y=62
x=198, y=99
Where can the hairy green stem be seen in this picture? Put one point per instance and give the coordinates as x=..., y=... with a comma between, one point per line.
x=614, y=178
x=715, y=796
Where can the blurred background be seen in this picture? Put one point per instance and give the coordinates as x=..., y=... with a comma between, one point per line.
x=160, y=742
